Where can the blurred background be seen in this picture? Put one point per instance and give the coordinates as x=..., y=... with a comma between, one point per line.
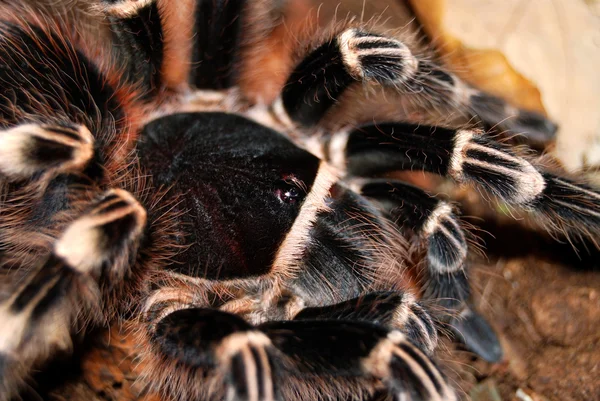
x=556, y=45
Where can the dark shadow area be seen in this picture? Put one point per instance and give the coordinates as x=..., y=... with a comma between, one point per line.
x=511, y=240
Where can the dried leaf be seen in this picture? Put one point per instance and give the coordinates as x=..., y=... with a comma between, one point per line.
x=485, y=68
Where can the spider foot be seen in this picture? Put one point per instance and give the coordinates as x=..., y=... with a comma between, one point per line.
x=532, y=127
x=477, y=334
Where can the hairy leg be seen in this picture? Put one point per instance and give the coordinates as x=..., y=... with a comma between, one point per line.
x=239, y=361
x=65, y=293
x=467, y=156
x=433, y=221
x=357, y=56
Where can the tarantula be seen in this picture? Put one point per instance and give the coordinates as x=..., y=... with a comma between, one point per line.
x=248, y=247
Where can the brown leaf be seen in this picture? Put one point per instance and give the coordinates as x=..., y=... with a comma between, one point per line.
x=486, y=69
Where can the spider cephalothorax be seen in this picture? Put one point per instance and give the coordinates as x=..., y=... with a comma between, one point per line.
x=234, y=235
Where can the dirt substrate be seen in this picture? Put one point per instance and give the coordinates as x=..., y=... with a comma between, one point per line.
x=548, y=319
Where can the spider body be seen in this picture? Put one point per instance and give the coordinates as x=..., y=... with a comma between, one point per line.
x=246, y=245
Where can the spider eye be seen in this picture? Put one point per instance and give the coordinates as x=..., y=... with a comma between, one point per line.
x=289, y=193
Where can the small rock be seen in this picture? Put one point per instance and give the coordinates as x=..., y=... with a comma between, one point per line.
x=529, y=395
x=523, y=396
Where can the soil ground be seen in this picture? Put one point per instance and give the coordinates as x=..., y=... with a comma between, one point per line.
x=547, y=315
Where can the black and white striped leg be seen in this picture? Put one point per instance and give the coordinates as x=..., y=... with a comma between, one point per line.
x=64, y=294
x=390, y=309
x=221, y=347
x=345, y=350
x=28, y=150
x=258, y=362
x=354, y=55
x=468, y=156
x=316, y=84
x=434, y=221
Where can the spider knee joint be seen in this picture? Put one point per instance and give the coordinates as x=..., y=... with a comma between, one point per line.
x=372, y=56
x=507, y=176
x=420, y=328
x=108, y=233
x=407, y=372
x=250, y=373
x=447, y=246
x=28, y=149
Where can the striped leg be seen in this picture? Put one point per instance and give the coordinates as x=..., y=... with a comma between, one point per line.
x=234, y=358
x=39, y=166
x=263, y=362
x=30, y=149
x=353, y=55
x=343, y=351
x=64, y=294
x=433, y=221
x=562, y=205
x=390, y=309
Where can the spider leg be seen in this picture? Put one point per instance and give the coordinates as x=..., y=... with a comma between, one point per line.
x=48, y=81
x=29, y=149
x=391, y=309
x=252, y=360
x=138, y=33
x=354, y=55
x=221, y=347
x=187, y=43
x=496, y=114
x=342, y=350
x=470, y=157
x=64, y=294
x=434, y=221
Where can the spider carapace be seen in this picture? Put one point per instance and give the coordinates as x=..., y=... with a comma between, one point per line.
x=242, y=240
